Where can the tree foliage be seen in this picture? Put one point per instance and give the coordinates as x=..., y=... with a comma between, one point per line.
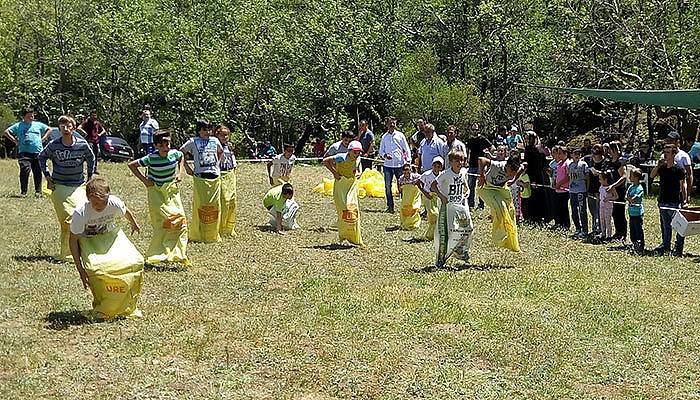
x=291, y=69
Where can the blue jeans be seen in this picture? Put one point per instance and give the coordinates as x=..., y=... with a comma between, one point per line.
x=389, y=174
x=594, y=209
x=666, y=216
x=578, y=211
x=471, y=182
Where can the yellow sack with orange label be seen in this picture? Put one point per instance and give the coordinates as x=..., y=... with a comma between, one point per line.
x=206, y=213
x=115, y=271
x=345, y=196
x=432, y=207
x=228, y=203
x=504, y=232
x=167, y=215
x=410, y=207
x=65, y=199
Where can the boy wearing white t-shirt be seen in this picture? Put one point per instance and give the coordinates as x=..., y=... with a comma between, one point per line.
x=454, y=229
x=431, y=202
x=279, y=170
x=108, y=263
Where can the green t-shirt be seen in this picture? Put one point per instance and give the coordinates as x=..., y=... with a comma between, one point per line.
x=273, y=199
x=161, y=170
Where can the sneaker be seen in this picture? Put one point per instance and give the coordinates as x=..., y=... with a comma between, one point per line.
x=389, y=211
x=23, y=195
x=38, y=195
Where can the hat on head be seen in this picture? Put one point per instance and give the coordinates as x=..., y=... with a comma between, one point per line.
x=355, y=145
x=439, y=159
x=673, y=135
x=514, y=128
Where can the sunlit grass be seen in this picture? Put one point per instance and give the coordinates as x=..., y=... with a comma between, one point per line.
x=280, y=317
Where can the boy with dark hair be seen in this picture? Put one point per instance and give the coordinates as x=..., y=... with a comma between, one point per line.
x=494, y=176
x=280, y=204
x=165, y=167
x=279, y=169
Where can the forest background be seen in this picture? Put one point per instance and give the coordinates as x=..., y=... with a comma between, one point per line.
x=293, y=70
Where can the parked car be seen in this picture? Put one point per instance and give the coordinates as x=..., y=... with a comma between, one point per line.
x=115, y=148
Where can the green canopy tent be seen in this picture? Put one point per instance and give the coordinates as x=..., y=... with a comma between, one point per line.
x=670, y=98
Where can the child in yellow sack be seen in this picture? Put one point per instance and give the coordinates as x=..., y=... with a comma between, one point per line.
x=453, y=234
x=410, y=199
x=431, y=202
x=167, y=215
x=108, y=263
x=279, y=203
x=68, y=154
x=206, y=152
x=494, y=176
x=345, y=168
x=228, y=182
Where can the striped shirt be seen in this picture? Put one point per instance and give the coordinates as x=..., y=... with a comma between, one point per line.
x=161, y=170
x=67, y=161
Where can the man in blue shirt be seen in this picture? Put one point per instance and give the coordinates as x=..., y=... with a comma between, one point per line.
x=146, y=129
x=28, y=136
x=366, y=139
x=430, y=147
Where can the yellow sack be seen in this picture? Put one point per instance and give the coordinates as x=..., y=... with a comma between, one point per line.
x=65, y=199
x=500, y=201
x=370, y=183
x=114, y=268
x=206, y=214
x=432, y=206
x=348, y=208
x=410, y=207
x=228, y=203
x=167, y=215
x=45, y=188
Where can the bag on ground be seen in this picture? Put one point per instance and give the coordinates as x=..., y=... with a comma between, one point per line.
x=167, y=215
x=453, y=233
x=65, y=199
x=345, y=196
x=206, y=213
x=114, y=267
x=499, y=200
x=410, y=207
x=228, y=203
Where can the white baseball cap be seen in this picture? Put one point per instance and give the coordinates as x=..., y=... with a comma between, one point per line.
x=439, y=159
x=355, y=145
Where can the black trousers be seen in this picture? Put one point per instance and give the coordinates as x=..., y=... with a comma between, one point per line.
x=29, y=162
x=637, y=232
x=561, y=207
x=620, y=221
x=365, y=163
x=95, y=147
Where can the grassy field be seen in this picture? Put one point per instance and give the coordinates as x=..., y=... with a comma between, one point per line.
x=291, y=317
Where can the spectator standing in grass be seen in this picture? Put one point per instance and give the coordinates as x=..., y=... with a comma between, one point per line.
x=147, y=128
x=92, y=130
x=430, y=147
x=340, y=146
x=366, y=138
x=596, y=164
x=635, y=201
x=28, y=135
x=577, y=193
x=394, y=149
x=672, y=196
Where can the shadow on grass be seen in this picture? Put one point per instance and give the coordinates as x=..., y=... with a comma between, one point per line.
x=393, y=228
x=37, y=258
x=462, y=267
x=331, y=247
x=263, y=228
x=322, y=229
x=164, y=267
x=376, y=211
x=61, y=320
x=414, y=240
